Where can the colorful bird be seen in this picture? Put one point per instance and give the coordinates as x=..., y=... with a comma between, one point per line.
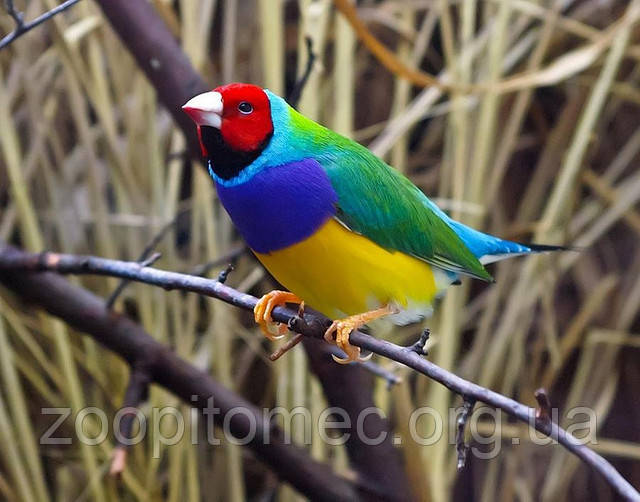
x=338, y=227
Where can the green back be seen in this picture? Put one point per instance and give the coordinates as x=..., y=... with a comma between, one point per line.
x=378, y=202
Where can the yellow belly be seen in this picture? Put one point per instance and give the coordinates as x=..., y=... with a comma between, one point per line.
x=338, y=273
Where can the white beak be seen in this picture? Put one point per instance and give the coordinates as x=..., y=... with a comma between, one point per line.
x=205, y=109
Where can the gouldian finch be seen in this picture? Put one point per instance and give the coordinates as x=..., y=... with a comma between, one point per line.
x=338, y=227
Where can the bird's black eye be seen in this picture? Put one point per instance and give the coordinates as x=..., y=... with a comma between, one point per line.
x=245, y=107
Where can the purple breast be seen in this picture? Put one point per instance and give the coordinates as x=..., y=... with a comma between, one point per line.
x=280, y=205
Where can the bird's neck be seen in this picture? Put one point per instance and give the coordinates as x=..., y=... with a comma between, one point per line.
x=224, y=161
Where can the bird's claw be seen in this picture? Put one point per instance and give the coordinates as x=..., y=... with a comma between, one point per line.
x=264, y=307
x=338, y=333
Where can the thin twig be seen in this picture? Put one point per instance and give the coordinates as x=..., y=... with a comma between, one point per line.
x=224, y=273
x=543, y=412
x=148, y=249
x=17, y=16
x=22, y=27
x=420, y=346
x=230, y=257
x=313, y=325
x=286, y=347
x=461, y=446
x=294, y=97
x=292, y=342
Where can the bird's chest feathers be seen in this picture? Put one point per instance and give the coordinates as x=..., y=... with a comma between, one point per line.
x=280, y=206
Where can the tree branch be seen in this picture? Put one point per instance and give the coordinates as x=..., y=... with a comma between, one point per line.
x=87, y=313
x=160, y=57
x=12, y=260
x=22, y=27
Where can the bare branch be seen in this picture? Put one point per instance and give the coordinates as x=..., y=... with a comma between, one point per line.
x=22, y=27
x=87, y=313
x=313, y=325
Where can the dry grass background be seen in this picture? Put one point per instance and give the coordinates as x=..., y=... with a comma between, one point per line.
x=547, y=151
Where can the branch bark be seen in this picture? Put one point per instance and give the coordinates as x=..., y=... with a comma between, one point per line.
x=12, y=260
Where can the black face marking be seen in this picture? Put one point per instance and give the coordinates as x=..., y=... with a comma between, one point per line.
x=224, y=161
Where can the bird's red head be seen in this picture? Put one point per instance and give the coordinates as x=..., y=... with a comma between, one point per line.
x=241, y=112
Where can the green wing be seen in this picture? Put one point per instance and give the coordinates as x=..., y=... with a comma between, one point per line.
x=378, y=202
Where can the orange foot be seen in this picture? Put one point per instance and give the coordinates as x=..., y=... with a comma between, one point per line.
x=342, y=328
x=264, y=307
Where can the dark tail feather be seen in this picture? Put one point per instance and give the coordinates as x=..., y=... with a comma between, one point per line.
x=542, y=248
x=520, y=249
